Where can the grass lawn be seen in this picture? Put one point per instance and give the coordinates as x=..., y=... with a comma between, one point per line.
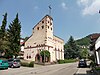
x=66, y=61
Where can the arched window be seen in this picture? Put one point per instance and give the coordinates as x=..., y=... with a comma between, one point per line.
x=50, y=23
x=42, y=21
x=48, y=27
x=29, y=57
x=42, y=27
x=51, y=28
x=37, y=28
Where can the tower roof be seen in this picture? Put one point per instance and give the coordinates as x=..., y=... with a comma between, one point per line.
x=42, y=19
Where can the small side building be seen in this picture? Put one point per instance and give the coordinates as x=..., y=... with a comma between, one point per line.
x=42, y=38
x=97, y=48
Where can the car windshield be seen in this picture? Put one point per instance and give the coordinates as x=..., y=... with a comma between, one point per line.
x=10, y=60
x=4, y=61
x=16, y=60
x=81, y=61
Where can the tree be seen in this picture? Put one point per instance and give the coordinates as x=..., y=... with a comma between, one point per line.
x=45, y=54
x=84, y=53
x=71, y=49
x=14, y=36
x=3, y=27
x=3, y=35
x=26, y=38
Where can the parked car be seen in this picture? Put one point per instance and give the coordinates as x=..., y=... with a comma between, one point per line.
x=82, y=63
x=4, y=64
x=14, y=63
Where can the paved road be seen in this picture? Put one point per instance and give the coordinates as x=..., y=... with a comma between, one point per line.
x=59, y=69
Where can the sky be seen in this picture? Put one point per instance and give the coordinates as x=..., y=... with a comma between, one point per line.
x=77, y=18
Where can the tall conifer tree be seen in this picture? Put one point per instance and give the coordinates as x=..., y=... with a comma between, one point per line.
x=3, y=40
x=14, y=36
x=71, y=49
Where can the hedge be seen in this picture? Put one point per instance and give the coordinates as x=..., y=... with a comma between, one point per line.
x=26, y=64
x=66, y=61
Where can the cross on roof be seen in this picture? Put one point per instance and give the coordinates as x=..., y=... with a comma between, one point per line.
x=49, y=9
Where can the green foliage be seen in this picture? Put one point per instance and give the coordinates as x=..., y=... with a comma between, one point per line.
x=92, y=64
x=31, y=64
x=3, y=35
x=26, y=38
x=92, y=57
x=45, y=52
x=26, y=64
x=71, y=49
x=3, y=27
x=67, y=61
x=45, y=55
x=60, y=61
x=14, y=36
x=84, y=41
x=84, y=53
x=97, y=68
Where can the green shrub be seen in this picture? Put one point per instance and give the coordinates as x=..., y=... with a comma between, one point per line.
x=66, y=61
x=25, y=64
x=92, y=64
x=98, y=68
x=60, y=61
x=31, y=64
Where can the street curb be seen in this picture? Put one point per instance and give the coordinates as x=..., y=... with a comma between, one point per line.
x=76, y=72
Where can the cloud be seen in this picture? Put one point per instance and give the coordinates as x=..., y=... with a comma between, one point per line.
x=90, y=7
x=82, y=2
x=64, y=6
x=36, y=7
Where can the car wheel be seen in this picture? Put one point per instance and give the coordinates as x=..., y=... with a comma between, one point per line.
x=6, y=68
x=12, y=66
x=18, y=66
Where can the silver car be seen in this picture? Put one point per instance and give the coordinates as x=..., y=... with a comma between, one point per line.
x=14, y=63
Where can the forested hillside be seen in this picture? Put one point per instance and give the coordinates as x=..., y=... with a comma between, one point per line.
x=85, y=41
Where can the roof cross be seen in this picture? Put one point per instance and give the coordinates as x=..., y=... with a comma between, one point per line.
x=49, y=9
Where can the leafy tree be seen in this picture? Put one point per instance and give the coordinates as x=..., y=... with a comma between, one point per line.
x=84, y=53
x=26, y=38
x=14, y=36
x=45, y=54
x=71, y=49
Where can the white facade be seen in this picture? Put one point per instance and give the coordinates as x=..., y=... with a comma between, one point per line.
x=97, y=48
x=22, y=44
x=43, y=38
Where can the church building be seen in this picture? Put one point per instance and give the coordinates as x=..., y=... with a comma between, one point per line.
x=42, y=38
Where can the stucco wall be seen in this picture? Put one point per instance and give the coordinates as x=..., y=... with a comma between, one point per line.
x=43, y=35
